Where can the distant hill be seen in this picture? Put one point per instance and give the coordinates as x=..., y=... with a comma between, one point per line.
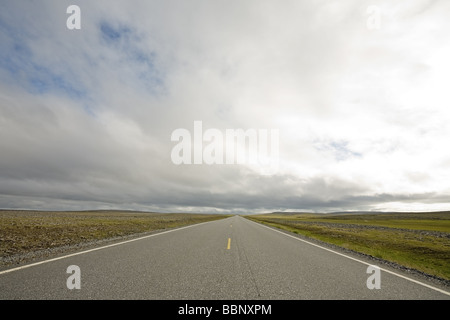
x=292, y=212
x=355, y=212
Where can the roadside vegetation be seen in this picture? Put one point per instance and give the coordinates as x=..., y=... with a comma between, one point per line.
x=419, y=241
x=23, y=232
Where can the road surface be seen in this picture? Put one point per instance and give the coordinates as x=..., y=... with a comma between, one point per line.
x=233, y=258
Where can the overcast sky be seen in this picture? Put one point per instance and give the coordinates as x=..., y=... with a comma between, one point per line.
x=358, y=91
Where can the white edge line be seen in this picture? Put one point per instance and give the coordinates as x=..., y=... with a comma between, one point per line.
x=100, y=248
x=360, y=261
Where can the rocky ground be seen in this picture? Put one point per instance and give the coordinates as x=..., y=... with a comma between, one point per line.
x=29, y=236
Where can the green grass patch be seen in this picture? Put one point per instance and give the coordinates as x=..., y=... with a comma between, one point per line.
x=418, y=240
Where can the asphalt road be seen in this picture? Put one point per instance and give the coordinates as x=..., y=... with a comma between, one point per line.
x=232, y=258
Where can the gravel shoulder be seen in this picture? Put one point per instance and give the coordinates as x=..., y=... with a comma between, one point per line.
x=32, y=236
x=20, y=259
x=393, y=266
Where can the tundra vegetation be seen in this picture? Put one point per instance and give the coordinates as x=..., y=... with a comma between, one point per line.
x=419, y=241
x=25, y=232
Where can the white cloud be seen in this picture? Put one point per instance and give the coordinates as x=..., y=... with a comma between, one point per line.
x=86, y=116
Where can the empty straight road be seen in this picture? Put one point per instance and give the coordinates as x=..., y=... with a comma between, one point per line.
x=233, y=258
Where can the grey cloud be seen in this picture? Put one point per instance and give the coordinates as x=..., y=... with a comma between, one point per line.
x=93, y=130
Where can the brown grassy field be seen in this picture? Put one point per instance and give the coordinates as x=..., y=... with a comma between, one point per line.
x=23, y=232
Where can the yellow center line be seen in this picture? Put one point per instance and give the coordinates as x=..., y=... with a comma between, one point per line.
x=229, y=243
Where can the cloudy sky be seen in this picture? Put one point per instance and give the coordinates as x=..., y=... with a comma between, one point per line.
x=358, y=91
